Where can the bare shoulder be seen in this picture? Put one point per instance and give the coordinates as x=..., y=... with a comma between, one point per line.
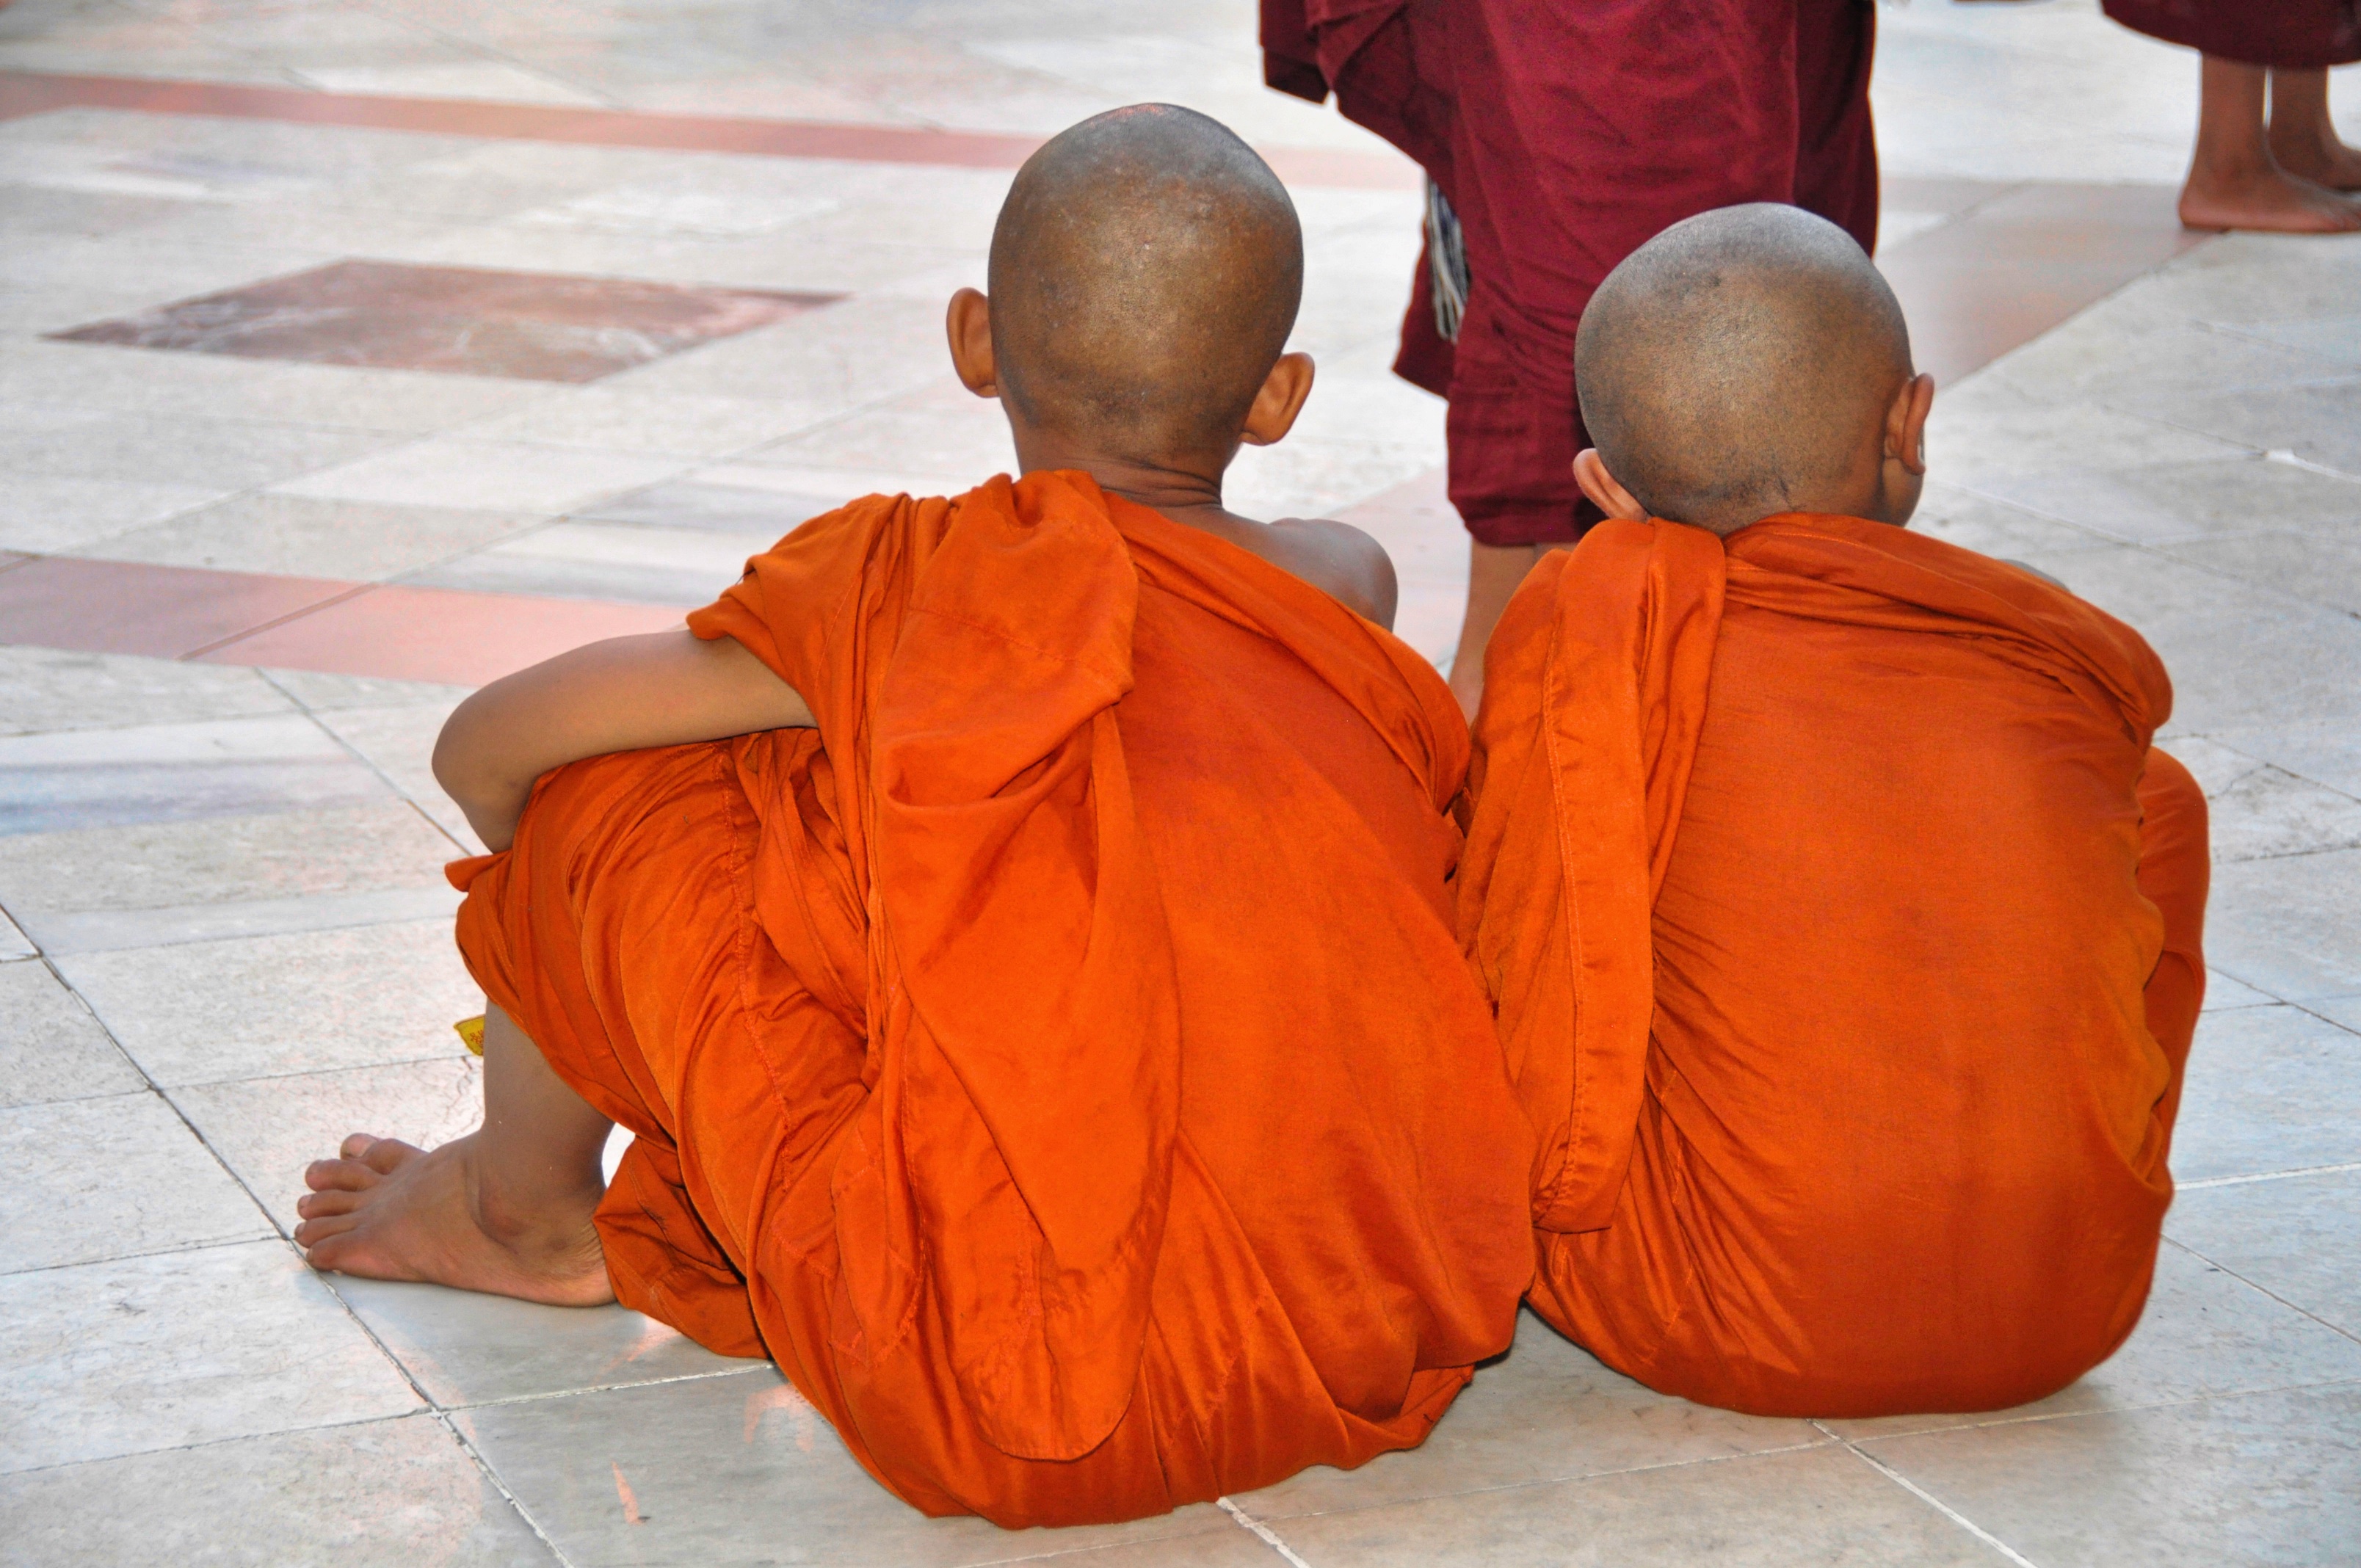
x=1339, y=559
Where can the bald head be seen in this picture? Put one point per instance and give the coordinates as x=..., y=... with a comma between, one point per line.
x=1740, y=364
x=1146, y=272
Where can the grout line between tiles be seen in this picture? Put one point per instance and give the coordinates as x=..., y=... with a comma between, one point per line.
x=302, y=1071
x=281, y=1237
x=364, y=758
x=1578, y=1478
x=1932, y=1501
x=221, y=1442
x=2243, y=1279
x=606, y=1389
x=1056, y=1553
x=170, y=1104
x=2038, y=1417
x=350, y=594
x=1261, y=1531
x=270, y=1234
x=484, y=1465
x=2208, y=1181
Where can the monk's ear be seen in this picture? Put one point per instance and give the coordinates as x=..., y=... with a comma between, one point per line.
x=1905, y=423
x=1605, y=492
x=969, y=323
x=1280, y=400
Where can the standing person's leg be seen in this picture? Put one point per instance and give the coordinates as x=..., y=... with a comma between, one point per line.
x=506, y=1210
x=2233, y=181
x=1493, y=572
x=1578, y=133
x=1836, y=142
x=2303, y=136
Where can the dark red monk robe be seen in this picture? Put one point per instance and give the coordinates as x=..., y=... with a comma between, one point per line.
x=2293, y=35
x=1566, y=135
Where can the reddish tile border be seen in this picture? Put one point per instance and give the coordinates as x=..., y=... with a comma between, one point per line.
x=164, y=612
x=35, y=92
x=298, y=623
x=2020, y=259
x=438, y=634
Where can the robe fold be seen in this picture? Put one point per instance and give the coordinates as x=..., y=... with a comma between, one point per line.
x=1844, y=927
x=2293, y=35
x=1566, y=136
x=1043, y=1059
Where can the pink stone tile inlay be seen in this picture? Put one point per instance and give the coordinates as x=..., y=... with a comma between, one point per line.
x=531, y=326
x=168, y=612
x=439, y=634
x=2022, y=259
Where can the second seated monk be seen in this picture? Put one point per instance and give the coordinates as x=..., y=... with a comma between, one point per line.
x=1015, y=927
x=1843, y=921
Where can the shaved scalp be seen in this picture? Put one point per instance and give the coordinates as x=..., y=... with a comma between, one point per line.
x=1737, y=362
x=1145, y=272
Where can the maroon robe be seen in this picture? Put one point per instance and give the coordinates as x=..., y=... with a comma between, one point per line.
x=1565, y=136
x=2293, y=35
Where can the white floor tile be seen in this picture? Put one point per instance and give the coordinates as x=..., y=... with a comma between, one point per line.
x=91, y=1179
x=296, y=1003
x=397, y=1493
x=50, y=1045
x=157, y=1353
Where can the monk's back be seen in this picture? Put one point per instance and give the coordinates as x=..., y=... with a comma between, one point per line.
x=1900, y=957
x=1854, y=1043
x=1327, y=1049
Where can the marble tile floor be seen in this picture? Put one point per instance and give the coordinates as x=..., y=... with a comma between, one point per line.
x=238, y=596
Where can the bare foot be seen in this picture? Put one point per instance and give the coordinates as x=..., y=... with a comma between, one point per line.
x=2265, y=198
x=386, y=1210
x=2330, y=164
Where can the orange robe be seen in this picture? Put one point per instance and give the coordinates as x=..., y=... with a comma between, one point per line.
x=1043, y=1060
x=1843, y=928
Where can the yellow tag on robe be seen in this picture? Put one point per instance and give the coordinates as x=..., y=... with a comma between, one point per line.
x=471, y=1030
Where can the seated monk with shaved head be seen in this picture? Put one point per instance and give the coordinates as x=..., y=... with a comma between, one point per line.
x=1015, y=927
x=1842, y=922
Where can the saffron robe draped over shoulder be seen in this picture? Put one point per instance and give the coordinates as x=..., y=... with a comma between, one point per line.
x=1059, y=1061
x=1565, y=136
x=2293, y=35
x=1844, y=929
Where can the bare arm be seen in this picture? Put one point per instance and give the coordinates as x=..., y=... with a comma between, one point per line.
x=628, y=692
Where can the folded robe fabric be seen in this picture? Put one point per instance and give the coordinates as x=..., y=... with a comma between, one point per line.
x=1844, y=930
x=1565, y=136
x=2292, y=35
x=1043, y=1060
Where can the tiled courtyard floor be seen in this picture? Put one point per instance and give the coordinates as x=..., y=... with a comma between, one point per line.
x=251, y=553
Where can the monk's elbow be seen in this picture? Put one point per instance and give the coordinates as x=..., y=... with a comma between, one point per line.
x=459, y=760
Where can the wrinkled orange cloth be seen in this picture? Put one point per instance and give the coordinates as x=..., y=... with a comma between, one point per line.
x=1043, y=1060
x=1844, y=931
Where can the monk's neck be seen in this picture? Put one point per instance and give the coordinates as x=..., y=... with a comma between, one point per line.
x=1190, y=493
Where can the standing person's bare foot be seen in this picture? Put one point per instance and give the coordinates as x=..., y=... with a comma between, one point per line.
x=386, y=1210
x=2233, y=181
x=2303, y=136
x=2267, y=198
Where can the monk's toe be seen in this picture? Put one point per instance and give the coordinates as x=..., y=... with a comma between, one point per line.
x=339, y=1176
x=313, y=1233
x=384, y=1155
